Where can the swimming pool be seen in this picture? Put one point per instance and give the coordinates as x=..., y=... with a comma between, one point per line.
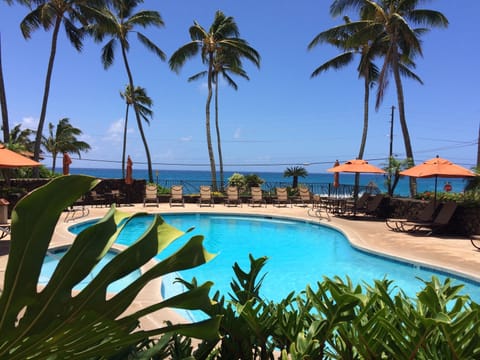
x=54, y=255
x=299, y=253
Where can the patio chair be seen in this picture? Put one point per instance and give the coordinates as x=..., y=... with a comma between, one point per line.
x=151, y=195
x=474, y=239
x=97, y=199
x=358, y=206
x=206, y=197
x=256, y=197
x=440, y=220
x=76, y=211
x=176, y=196
x=424, y=215
x=233, y=198
x=304, y=196
x=281, y=197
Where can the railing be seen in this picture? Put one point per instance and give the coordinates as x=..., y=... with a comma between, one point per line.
x=326, y=189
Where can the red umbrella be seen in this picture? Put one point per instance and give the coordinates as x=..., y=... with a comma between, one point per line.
x=129, y=175
x=66, y=163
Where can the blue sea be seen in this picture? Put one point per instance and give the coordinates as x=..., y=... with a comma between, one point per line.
x=171, y=176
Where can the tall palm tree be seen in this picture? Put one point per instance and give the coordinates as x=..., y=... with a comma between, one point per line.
x=225, y=65
x=117, y=22
x=394, y=18
x=3, y=103
x=295, y=172
x=50, y=15
x=222, y=37
x=62, y=139
x=341, y=38
x=21, y=138
x=144, y=103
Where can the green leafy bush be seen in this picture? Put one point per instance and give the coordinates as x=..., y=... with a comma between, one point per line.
x=52, y=323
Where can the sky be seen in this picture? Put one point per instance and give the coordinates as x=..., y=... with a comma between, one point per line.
x=278, y=119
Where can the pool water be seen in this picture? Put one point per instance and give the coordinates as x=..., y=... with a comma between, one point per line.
x=299, y=254
x=53, y=257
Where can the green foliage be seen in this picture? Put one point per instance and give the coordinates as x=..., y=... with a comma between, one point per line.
x=252, y=180
x=54, y=324
x=342, y=320
x=237, y=180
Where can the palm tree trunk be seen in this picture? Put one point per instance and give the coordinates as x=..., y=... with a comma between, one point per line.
x=54, y=161
x=403, y=121
x=137, y=115
x=217, y=127
x=46, y=92
x=124, y=141
x=361, y=151
x=3, y=103
x=207, y=126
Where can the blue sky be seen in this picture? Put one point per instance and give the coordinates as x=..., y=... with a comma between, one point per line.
x=279, y=118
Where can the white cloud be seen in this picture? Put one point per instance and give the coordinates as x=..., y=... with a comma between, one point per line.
x=115, y=131
x=28, y=123
x=186, y=138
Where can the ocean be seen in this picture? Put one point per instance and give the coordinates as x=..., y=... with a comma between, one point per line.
x=164, y=177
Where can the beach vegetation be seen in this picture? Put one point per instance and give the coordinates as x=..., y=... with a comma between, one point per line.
x=238, y=180
x=116, y=22
x=61, y=322
x=393, y=168
x=395, y=21
x=62, y=138
x=143, y=103
x=220, y=42
x=252, y=180
x=295, y=172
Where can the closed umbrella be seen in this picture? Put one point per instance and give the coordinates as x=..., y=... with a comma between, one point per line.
x=66, y=163
x=129, y=173
x=438, y=167
x=336, y=176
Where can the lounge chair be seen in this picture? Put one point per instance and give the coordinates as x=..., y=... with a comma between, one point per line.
x=233, y=198
x=441, y=220
x=358, y=206
x=76, y=211
x=304, y=196
x=151, y=195
x=424, y=215
x=4, y=230
x=281, y=197
x=373, y=204
x=206, y=197
x=256, y=196
x=475, y=240
x=176, y=196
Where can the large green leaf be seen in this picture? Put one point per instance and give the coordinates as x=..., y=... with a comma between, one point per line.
x=51, y=323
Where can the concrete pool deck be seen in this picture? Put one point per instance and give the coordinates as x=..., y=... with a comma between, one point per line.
x=450, y=253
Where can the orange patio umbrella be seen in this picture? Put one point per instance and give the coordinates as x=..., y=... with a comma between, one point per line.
x=357, y=166
x=10, y=159
x=438, y=167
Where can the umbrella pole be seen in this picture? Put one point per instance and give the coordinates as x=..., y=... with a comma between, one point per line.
x=435, y=193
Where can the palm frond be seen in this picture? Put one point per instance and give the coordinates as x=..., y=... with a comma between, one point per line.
x=108, y=53
x=336, y=63
x=151, y=46
x=146, y=18
x=184, y=53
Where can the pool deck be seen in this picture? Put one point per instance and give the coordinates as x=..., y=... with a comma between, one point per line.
x=453, y=254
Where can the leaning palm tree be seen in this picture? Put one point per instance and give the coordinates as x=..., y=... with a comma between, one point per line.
x=394, y=18
x=225, y=65
x=295, y=172
x=117, y=22
x=50, y=15
x=143, y=102
x=62, y=139
x=222, y=37
x=3, y=103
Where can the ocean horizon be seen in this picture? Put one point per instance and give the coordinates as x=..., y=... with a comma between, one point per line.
x=169, y=176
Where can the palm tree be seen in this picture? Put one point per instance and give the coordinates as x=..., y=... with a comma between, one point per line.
x=3, y=103
x=21, y=138
x=144, y=103
x=223, y=65
x=117, y=22
x=50, y=15
x=394, y=19
x=295, y=172
x=222, y=37
x=63, y=139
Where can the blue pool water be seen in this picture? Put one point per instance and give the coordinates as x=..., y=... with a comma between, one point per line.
x=299, y=253
x=53, y=257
